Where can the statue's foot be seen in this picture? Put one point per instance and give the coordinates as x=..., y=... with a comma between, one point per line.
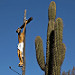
x=20, y=64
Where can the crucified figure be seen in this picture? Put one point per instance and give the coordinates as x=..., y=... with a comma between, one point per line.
x=21, y=36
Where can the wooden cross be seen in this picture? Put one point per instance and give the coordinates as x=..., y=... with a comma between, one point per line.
x=24, y=24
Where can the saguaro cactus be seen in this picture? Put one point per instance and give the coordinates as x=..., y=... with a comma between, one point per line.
x=55, y=49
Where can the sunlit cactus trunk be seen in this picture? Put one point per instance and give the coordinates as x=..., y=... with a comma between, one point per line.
x=55, y=49
x=50, y=40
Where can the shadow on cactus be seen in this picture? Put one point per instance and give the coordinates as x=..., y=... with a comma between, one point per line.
x=55, y=48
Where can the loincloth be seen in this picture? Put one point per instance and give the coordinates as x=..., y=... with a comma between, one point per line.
x=21, y=46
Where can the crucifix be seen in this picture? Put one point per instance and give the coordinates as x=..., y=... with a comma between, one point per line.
x=21, y=45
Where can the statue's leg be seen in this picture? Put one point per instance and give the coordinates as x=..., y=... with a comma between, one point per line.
x=21, y=60
x=20, y=57
x=18, y=53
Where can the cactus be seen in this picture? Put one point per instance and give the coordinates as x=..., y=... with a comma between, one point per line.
x=55, y=49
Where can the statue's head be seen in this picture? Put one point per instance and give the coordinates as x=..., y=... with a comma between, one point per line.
x=18, y=30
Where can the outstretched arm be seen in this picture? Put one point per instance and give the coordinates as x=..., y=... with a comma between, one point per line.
x=24, y=27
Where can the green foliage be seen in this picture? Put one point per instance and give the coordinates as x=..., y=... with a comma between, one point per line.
x=55, y=49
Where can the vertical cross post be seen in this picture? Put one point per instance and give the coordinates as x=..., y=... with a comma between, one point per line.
x=24, y=61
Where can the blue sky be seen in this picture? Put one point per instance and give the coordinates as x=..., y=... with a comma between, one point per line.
x=11, y=17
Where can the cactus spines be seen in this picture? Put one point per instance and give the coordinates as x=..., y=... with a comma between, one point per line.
x=51, y=16
x=52, y=11
x=63, y=52
x=39, y=52
x=58, y=43
x=50, y=38
x=55, y=49
x=58, y=37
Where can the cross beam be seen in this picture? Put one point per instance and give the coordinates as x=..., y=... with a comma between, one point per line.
x=28, y=21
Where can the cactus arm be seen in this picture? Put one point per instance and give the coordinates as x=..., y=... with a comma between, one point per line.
x=59, y=24
x=58, y=43
x=39, y=52
x=63, y=52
